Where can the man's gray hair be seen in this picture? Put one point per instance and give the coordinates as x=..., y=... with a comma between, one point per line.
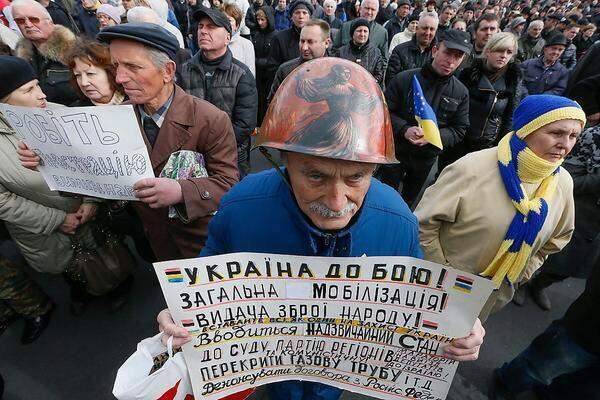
x=332, y=2
x=33, y=3
x=429, y=14
x=158, y=58
x=142, y=14
x=537, y=23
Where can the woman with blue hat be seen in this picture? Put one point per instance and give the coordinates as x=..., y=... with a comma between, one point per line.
x=500, y=212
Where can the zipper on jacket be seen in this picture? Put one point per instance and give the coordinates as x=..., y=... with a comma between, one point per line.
x=487, y=119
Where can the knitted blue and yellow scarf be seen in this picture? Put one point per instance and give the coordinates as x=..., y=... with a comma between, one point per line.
x=519, y=164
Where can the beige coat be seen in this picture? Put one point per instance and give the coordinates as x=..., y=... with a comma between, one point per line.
x=31, y=211
x=464, y=216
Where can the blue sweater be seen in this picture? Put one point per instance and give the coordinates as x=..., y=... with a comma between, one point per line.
x=261, y=215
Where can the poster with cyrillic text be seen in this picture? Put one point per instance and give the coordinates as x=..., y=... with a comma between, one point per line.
x=93, y=151
x=372, y=325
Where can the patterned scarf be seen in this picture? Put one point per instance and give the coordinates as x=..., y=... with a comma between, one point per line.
x=518, y=164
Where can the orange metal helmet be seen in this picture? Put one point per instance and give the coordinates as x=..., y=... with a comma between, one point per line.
x=330, y=107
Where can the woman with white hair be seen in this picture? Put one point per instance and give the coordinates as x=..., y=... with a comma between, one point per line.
x=152, y=16
x=329, y=8
x=493, y=81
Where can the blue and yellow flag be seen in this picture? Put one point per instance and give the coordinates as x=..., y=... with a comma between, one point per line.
x=425, y=116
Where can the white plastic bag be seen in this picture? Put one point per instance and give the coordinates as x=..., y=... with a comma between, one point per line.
x=171, y=382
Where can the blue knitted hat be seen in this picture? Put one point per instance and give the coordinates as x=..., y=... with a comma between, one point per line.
x=538, y=110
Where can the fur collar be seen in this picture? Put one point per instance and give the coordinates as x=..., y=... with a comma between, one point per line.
x=473, y=74
x=56, y=48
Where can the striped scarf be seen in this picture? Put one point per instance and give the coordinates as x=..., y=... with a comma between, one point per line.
x=517, y=164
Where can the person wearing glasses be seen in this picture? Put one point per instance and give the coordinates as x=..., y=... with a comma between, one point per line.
x=46, y=47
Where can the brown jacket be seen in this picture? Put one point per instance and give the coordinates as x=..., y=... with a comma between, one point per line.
x=190, y=124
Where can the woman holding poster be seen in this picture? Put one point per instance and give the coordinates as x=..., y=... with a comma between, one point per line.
x=43, y=223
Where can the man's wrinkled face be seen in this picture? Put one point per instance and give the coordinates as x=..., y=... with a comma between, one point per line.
x=369, y=9
x=484, y=32
x=140, y=78
x=426, y=31
x=403, y=11
x=554, y=141
x=33, y=23
x=313, y=44
x=329, y=192
x=535, y=31
x=553, y=53
x=447, y=15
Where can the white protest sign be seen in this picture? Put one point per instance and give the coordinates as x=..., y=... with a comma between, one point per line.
x=94, y=151
x=373, y=325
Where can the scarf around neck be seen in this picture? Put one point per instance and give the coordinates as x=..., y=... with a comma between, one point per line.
x=518, y=164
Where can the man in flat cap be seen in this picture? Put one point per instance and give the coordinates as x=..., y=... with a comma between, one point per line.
x=399, y=21
x=179, y=129
x=214, y=75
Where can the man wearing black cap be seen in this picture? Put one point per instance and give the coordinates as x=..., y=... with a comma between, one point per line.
x=449, y=99
x=378, y=36
x=399, y=21
x=214, y=75
x=177, y=128
x=284, y=46
x=545, y=74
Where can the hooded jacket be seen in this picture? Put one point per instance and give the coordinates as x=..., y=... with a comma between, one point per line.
x=49, y=61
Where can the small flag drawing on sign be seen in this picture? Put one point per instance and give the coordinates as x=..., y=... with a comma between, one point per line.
x=187, y=323
x=430, y=325
x=463, y=284
x=174, y=275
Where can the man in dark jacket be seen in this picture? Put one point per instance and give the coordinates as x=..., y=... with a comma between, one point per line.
x=399, y=21
x=546, y=75
x=550, y=24
x=448, y=12
x=531, y=45
x=214, y=75
x=569, y=56
x=285, y=43
x=46, y=47
x=449, y=99
x=261, y=39
x=314, y=41
x=416, y=52
x=584, y=84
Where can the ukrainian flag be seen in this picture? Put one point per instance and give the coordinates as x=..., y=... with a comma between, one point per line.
x=425, y=116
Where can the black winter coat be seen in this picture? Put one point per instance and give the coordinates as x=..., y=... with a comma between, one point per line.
x=490, y=109
x=261, y=39
x=367, y=56
x=231, y=89
x=284, y=47
x=394, y=26
x=449, y=99
x=583, y=83
x=407, y=56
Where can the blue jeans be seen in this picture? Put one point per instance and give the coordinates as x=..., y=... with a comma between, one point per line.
x=549, y=356
x=301, y=390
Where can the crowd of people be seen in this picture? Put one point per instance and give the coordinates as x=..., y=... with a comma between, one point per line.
x=513, y=85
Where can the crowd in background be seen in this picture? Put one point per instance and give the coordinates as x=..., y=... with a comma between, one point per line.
x=475, y=61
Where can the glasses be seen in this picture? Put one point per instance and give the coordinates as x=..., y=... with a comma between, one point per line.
x=33, y=20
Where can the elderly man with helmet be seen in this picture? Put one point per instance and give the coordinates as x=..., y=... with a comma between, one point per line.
x=325, y=201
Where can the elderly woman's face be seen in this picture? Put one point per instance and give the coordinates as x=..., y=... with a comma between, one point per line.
x=329, y=192
x=93, y=81
x=554, y=141
x=28, y=95
x=329, y=9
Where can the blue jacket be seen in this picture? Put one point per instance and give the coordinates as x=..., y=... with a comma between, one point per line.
x=261, y=215
x=282, y=19
x=537, y=79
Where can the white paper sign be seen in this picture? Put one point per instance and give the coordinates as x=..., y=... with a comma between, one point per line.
x=94, y=151
x=373, y=325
